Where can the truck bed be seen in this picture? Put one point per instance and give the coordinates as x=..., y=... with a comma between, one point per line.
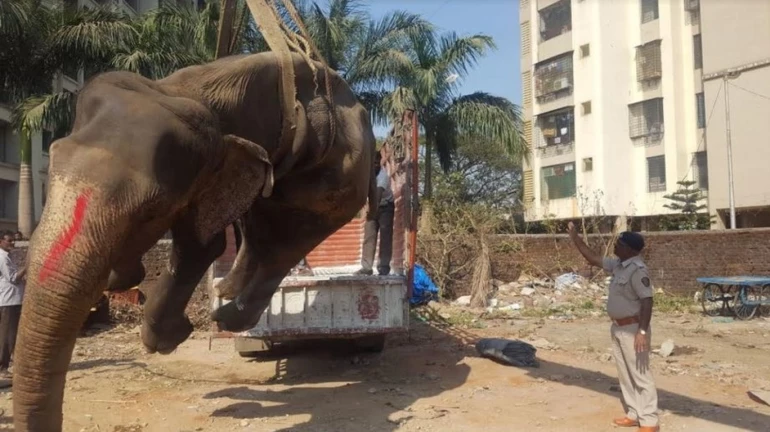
x=341, y=305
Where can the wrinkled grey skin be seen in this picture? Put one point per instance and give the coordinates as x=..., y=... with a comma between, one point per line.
x=191, y=153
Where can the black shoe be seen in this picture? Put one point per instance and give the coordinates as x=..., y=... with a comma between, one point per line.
x=384, y=271
x=363, y=272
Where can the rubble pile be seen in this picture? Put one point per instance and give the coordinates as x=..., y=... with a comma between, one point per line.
x=566, y=295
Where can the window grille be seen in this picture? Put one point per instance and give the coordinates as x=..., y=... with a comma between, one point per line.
x=557, y=181
x=529, y=187
x=697, y=53
x=656, y=174
x=648, y=62
x=555, y=20
x=526, y=38
x=645, y=120
x=553, y=78
x=526, y=88
x=649, y=10
x=556, y=128
x=700, y=170
x=700, y=104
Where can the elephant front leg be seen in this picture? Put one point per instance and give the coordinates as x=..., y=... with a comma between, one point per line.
x=165, y=324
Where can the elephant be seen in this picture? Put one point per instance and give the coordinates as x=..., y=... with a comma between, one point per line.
x=190, y=154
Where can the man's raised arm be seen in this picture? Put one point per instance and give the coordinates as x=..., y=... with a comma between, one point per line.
x=592, y=257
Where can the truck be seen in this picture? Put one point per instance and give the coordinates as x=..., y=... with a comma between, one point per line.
x=333, y=302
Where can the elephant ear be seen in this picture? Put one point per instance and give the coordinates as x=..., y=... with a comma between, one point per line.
x=245, y=173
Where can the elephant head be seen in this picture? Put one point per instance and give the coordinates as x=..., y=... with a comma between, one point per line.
x=138, y=163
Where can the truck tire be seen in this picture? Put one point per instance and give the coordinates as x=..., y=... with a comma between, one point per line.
x=373, y=343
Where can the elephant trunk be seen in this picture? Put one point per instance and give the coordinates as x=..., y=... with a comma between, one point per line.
x=67, y=269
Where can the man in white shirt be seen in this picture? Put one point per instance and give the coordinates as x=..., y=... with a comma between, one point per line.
x=11, y=294
x=382, y=223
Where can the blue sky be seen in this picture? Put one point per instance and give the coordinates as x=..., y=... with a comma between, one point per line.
x=498, y=73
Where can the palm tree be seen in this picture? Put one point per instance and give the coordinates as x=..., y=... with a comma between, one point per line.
x=38, y=42
x=368, y=54
x=428, y=82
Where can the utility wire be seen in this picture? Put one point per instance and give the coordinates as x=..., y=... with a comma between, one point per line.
x=749, y=91
x=703, y=137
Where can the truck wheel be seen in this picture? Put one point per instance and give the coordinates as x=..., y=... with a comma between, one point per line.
x=251, y=347
x=374, y=343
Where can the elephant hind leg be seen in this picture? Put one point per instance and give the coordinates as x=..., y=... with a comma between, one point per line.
x=165, y=324
x=274, y=241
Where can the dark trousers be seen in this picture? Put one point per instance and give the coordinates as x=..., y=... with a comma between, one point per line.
x=384, y=225
x=9, y=324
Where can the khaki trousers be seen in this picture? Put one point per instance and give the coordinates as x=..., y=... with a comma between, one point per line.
x=640, y=397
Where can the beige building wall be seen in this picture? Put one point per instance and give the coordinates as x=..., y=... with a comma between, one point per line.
x=621, y=163
x=736, y=36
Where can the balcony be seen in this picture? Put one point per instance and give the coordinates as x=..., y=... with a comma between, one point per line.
x=554, y=79
x=649, y=67
x=645, y=122
x=555, y=20
x=557, y=182
x=555, y=133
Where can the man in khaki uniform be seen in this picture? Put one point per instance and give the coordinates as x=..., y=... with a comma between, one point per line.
x=629, y=306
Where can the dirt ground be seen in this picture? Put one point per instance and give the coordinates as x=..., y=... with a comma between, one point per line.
x=429, y=380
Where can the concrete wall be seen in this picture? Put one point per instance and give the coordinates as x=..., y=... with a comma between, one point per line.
x=735, y=34
x=675, y=259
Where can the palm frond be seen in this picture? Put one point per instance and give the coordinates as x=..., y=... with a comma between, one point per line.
x=52, y=111
x=13, y=16
x=93, y=33
x=493, y=117
x=459, y=54
x=373, y=101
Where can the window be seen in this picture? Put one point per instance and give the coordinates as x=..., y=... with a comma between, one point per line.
x=697, y=53
x=700, y=104
x=553, y=78
x=555, y=20
x=586, y=107
x=558, y=181
x=588, y=164
x=648, y=63
x=656, y=174
x=700, y=170
x=556, y=128
x=585, y=50
x=645, y=120
x=649, y=10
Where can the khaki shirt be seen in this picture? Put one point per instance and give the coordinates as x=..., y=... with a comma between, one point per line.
x=630, y=284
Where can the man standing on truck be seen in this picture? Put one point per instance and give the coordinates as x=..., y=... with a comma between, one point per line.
x=629, y=305
x=383, y=224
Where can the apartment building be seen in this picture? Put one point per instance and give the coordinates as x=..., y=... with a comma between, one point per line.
x=736, y=67
x=9, y=141
x=614, y=106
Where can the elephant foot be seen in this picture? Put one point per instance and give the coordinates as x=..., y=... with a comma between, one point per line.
x=231, y=318
x=165, y=337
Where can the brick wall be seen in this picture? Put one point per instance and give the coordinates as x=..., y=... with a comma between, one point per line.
x=675, y=259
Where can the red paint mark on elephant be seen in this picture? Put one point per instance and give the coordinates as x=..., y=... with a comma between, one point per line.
x=368, y=305
x=66, y=239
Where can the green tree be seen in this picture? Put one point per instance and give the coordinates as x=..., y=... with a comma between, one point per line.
x=687, y=201
x=427, y=82
x=39, y=41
